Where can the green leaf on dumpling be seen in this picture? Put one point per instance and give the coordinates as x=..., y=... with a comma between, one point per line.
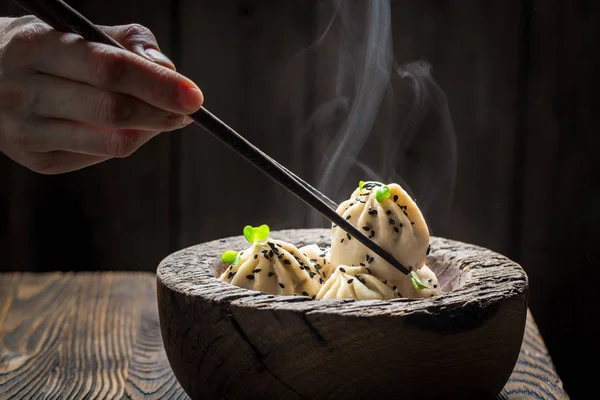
x=256, y=234
x=382, y=193
x=231, y=257
x=416, y=282
x=361, y=184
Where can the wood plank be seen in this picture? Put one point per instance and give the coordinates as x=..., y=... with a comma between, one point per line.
x=79, y=335
x=242, y=63
x=82, y=336
x=560, y=197
x=115, y=214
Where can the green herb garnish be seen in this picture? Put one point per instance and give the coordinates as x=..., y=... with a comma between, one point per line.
x=416, y=282
x=231, y=257
x=382, y=193
x=360, y=185
x=256, y=234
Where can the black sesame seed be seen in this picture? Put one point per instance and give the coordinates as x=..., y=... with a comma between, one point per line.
x=250, y=277
x=396, y=229
x=230, y=275
x=281, y=285
x=435, y=286
x=392, y=221
x=405, y=213
x=256, y=271
x=362, y=264
x=395, y=198
x=334, y=226
x=367, y=258
x=287, y=262
x=313, y=296
x=373, y=212
x=351, y=204
x=278, y=245
x=271, y=253
x=348, y=236
x=366, y=228
x=348, y=216
x=394, y=287
x=368, y=270
x=231, y=267
x=321, y=280
x=400, y=224
x=388, y=212
x=317, y=266
x=342, y=269
x=266, y=256
x=264, y=251
x=342, y=241
x=385, y=282
x=325, y=275
x=350, y=280
x=429, y=280
x=280, y=256
x=428, y=249
x=304, y=293
x=412, y=223
x=370, y=260
x=311, y=274
x=271, y=273
x=255, y=256
x=372, y=235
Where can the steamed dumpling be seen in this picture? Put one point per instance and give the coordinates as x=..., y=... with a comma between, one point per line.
x=320, y=257
x=274, y=267
x=427, y=278
x=395, y=223
x=355, y=283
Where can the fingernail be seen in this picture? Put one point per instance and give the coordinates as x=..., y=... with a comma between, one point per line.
x=190, y=97
x=159, y=58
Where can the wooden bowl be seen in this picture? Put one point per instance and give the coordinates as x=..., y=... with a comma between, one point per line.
x=226, y=342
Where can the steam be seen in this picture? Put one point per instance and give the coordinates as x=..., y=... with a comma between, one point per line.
x=375, y=119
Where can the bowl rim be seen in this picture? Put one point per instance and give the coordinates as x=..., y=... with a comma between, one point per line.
x=485, y=283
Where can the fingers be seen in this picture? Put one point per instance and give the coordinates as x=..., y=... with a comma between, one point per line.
x=111, y=69
x=64, y=99
x=140, y=40
x=60, y=162
x=44, y=135
x=56, y=162
x=70, y=136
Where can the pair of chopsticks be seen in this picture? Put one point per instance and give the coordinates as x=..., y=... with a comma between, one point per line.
x=62, y=17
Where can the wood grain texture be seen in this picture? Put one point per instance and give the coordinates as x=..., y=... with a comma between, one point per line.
x=87, y=335
x=224, y=339
x=76, y=336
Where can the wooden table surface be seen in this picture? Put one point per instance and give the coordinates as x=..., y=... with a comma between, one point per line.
x=97, y=336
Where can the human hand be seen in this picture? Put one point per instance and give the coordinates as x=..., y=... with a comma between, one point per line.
x=66, y=103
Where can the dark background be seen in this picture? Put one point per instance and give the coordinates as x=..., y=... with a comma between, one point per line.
x=521, y=78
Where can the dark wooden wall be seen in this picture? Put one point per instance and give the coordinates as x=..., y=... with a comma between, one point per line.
x=521, y=79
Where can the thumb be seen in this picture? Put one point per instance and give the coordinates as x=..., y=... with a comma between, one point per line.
x=139, y=40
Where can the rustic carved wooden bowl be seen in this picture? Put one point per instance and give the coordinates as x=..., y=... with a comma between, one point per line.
x=226, y=342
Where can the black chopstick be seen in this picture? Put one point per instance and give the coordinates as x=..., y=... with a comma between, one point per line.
x=64, y=18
